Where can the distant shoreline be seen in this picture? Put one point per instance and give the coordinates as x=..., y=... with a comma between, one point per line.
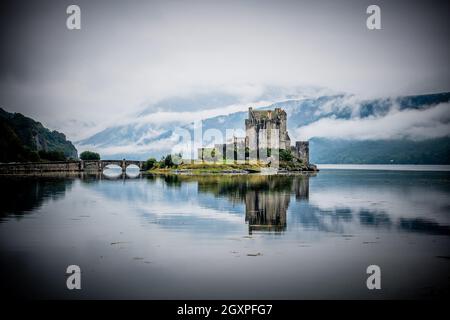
x=388, y=167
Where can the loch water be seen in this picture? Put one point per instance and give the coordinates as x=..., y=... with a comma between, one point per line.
x=303, y=236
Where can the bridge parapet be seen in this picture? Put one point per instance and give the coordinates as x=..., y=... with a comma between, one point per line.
x=65, y=166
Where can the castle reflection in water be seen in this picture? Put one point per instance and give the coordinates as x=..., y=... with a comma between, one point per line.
x=265, y=203
x=266, y=198
x=192, y=232
x=266, y=211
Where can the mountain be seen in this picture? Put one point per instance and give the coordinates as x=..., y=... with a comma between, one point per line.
x=430, y=151
x=140, y=140
x=23, y=139
x=143, y=129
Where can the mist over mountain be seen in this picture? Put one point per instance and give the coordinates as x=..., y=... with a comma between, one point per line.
x=158, y=120
x=342, y=128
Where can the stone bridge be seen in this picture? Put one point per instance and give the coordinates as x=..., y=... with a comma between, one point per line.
x=100, y=165
x=66, y=166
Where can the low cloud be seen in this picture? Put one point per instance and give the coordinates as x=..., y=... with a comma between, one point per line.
x=127, y=56
x=185, y=117
x=433, y=122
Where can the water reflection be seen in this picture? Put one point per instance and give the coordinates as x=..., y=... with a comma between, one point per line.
x=115, y=172
x=270, y=204
x=266, y=198
x=409, y=203
x=181, y=236
x=266, y=212
x=21, y=195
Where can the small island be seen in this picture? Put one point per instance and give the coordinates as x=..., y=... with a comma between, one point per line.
x=153, y=166
x=266, y=148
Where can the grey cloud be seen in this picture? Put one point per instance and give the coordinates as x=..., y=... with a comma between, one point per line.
x=433, y=122
x=132, y=54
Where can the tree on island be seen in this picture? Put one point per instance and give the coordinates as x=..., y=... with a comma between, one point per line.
x=89, y=155
x=150, y=163
x=286, y=155
x=168, y=163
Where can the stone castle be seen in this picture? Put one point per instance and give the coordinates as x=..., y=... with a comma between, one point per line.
x=260, y=121
x=264, y=129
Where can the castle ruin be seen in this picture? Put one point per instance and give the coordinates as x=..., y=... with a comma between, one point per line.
x=264, y=130
x=264, y=125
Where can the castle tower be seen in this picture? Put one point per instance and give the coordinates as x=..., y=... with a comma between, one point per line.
x=262, y=126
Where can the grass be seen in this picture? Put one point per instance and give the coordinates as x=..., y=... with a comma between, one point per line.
x=211, y=168
x=219, y=167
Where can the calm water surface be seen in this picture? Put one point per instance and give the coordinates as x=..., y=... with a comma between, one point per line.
x=230, y=237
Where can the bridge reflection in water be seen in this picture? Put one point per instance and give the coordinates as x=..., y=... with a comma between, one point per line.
x=263, y=201
x=161, y=228
x=111, y=174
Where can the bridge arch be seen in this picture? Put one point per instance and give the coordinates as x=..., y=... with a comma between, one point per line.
x=101, y=165
x=133, y=163
x=132, y=166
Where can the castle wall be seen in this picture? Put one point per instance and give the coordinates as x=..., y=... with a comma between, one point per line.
x=302, y=151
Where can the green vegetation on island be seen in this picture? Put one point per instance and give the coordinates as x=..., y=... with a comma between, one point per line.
x=175, y=164
x=89, y=155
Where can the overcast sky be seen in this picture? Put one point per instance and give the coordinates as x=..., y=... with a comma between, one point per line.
x=130, y=54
